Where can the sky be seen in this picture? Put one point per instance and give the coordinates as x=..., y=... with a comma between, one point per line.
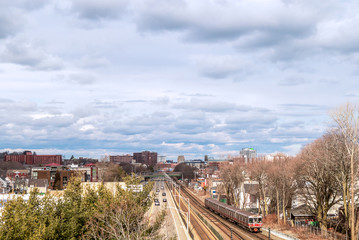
x=181, y=77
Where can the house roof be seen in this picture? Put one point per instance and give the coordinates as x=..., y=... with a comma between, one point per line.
x=301, y=211
x=90, y=165
x=52, y=165
x=18, y=171
x=38, y=182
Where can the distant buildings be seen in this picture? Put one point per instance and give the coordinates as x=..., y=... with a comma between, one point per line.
x=165, y=167
x=91, y=171
x=44, y=172
x=248, y=153
x=41, y=184
x=12, y=174
x=180, y=159
x=275, y=156
x=146, y=157
x=5, y=185
x=161, y=159
x=121, y=158
x=198, y=163
x=58, y=176
x=29, y=159
x=215, y=163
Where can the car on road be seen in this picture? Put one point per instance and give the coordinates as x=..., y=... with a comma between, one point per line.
x=162, y=187
x=157, y=190
x=164, y=200
x=156, y=200
x=163, y=194
x=157, y=203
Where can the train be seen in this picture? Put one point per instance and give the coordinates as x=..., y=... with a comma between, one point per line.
x=251, y=222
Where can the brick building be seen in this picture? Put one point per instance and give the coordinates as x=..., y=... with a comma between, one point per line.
x=146, y=157
x=58, y=176
x=29, y=159
x=121, y=158
x=91, y=171
x=58, y=179
x=18, y=173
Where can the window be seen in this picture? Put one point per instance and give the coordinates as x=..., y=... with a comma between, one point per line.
x=34, y=175
x=251, y=220
x=64, y=181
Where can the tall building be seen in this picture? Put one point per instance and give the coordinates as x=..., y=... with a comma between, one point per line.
x=180, y=159
x=146, y=157
x=248, y=153
x=29, y=159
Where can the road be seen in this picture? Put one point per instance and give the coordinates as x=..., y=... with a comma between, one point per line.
x=173, y=227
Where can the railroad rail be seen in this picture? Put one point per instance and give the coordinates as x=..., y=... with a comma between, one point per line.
x=229, y=230
x=201, y=229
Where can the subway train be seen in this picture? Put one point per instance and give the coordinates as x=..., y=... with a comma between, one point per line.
x=251, y=222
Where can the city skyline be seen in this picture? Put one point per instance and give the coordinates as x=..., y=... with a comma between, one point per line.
x=193, y=78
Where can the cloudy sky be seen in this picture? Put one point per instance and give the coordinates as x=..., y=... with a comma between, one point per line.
x=95, y=77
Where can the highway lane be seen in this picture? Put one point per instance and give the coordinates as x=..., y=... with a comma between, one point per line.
x=173, y=225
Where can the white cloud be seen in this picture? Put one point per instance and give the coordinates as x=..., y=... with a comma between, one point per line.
x=183, y=146
x=18, y=52
x=177, y=77
x=87, y=127
x=221, y=66
x=292, y=149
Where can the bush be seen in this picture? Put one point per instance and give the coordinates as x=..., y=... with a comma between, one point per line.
x=80, y=214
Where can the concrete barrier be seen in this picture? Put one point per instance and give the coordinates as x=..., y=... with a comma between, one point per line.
x=280, y=234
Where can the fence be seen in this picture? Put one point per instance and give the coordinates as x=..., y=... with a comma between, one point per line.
x=317, y=231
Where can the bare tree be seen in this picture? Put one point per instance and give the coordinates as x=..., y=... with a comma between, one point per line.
x=340, y=167
x=232, y=176
x=122, y=223
x=319, y=185
x=186, y=170
x=105, y=158
x=286, y=167
x=275, y=181
x=258, y=171
x=347, y=123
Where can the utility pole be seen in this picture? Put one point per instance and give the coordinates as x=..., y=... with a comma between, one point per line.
x=179, y=195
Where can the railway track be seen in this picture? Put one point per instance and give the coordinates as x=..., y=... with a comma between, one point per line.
x=202, y=230
x=229, y=230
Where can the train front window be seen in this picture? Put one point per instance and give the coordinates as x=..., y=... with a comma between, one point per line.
x=255, y=220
